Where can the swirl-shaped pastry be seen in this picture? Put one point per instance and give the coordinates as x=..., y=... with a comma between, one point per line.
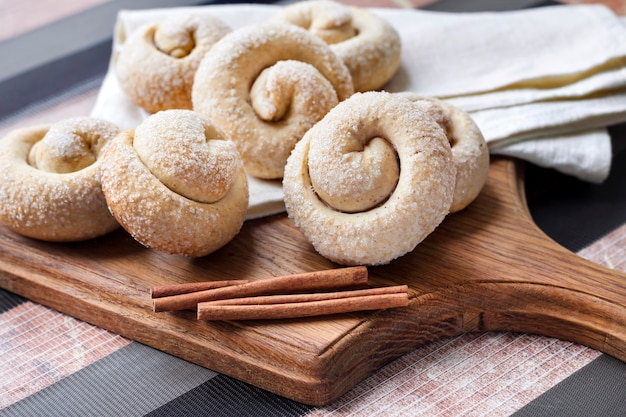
x=371, y=180
x=265, y=85
x=369, y=46
x=157, y=63
x=469, y=149
x=50, y=180
x=176, y=184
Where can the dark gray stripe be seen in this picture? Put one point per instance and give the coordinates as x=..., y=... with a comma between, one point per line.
x=468, y=6
x=8, y=300
x=132, y=381
x=227, y=397
x=598, y=389
x=52, y=79
x=34, y=108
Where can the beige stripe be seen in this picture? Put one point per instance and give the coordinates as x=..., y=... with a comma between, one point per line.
x=491, y=373
x=610, y=251
x=17, y=17
x=39, y=346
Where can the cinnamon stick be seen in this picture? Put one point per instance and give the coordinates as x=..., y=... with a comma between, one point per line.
x=307, y=298
x=175, y=289
x=212, y=311
x=331, y=279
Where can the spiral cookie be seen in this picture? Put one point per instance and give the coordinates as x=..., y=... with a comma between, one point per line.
x=156, y=64
x=369, y=143
x=50, y=181
x=175, y=184
x=368, y=45
x=469, y=149
x=264, y=86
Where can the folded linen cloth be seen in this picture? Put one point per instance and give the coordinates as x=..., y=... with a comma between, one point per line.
x=542, y=84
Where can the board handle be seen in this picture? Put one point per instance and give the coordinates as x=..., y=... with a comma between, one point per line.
x=491, y=268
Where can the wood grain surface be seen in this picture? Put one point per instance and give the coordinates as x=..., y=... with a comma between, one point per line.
x=486, y=268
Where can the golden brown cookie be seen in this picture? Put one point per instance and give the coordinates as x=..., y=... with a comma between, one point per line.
x=50, y=180
x=369, y=46
x=156, y=65
x=469, y=149
x=265, y=85
x=176, y=184
x=371, y=180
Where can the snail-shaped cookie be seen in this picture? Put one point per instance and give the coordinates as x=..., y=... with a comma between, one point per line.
x=50, y=180
x=176, y=184
x=371, y=180
x=265, y=85
x=469, y=149
x=368, y=45
x=156, y=64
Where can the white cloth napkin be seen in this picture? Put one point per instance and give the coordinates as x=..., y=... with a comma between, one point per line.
x=528, y=78
x=542, y=84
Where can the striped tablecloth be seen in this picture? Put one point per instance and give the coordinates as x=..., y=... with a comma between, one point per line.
x=52, y=364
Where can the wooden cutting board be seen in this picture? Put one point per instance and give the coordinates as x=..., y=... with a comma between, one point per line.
x=486, y=268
